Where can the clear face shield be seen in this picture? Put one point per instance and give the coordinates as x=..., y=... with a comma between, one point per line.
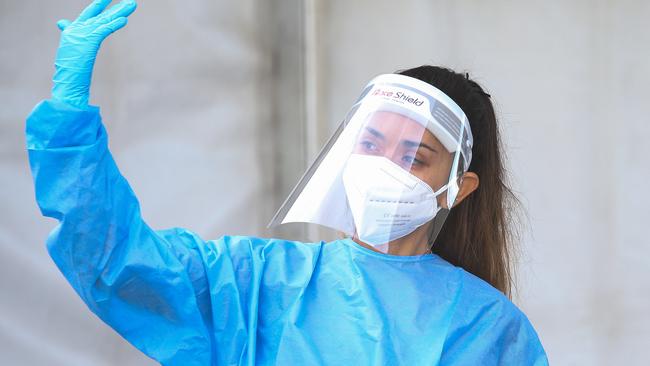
x=391, y=167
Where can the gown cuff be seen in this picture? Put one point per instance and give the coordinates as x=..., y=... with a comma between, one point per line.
x=57, y=124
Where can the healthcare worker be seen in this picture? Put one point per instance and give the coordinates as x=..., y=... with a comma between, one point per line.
x=400, y=289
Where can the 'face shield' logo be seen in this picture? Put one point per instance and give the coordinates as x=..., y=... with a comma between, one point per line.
x=398, y=96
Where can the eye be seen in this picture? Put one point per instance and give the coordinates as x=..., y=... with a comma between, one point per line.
x=369, y=146
x=409, y=161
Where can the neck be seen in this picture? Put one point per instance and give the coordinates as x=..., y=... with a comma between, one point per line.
x=415, y=243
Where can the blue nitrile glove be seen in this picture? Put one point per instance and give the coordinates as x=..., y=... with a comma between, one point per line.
x=80, y=41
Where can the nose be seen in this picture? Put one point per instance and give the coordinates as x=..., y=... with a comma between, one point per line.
x=396, y=157
x=390, y=151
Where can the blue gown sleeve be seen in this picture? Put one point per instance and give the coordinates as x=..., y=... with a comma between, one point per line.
x=151, y=287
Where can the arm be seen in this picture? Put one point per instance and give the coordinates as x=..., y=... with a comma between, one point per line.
x=151, y=287
x=132, y=278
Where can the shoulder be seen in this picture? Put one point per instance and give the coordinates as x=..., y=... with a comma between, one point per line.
x=260, y=251
x=479, y=294
x=488, y=328
x=265, y=248
x=280, y=263
x=242, y=248
x=479, y=303
x=235, y=244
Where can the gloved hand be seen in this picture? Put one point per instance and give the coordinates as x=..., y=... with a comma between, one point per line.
x=80, y=41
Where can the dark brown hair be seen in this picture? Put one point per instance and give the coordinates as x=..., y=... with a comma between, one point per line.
x=479, y=232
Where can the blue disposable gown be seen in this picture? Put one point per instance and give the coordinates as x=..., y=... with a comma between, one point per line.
x=246, y=300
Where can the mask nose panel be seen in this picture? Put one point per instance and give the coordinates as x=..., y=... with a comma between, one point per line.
x=387, y=202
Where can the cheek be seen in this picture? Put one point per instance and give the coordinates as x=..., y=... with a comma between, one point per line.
x=427, y=176
x=435, y=176
x=442, y=200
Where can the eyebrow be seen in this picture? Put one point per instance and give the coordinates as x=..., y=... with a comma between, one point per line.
x=410, y=143
x=407, y=143
x=375, y=133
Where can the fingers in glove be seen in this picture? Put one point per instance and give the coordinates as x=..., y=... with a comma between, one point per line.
x=93, y=9
x=122, y=9
x=105, y=30
x=63, y=24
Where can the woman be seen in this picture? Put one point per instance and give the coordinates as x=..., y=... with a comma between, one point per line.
x=409, y=156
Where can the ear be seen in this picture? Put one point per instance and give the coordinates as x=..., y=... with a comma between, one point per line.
x=468, y=183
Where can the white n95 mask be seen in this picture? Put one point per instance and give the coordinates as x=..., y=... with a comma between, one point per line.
x=386, y=201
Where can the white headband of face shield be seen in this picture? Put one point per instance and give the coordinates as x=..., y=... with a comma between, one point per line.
x=427, y=105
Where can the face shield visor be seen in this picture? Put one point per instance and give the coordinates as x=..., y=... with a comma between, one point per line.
x=392, y=166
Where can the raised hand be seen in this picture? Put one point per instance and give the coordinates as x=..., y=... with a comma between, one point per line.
x=80, y=42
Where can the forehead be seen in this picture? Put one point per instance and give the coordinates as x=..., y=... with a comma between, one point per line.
x=397, y=126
